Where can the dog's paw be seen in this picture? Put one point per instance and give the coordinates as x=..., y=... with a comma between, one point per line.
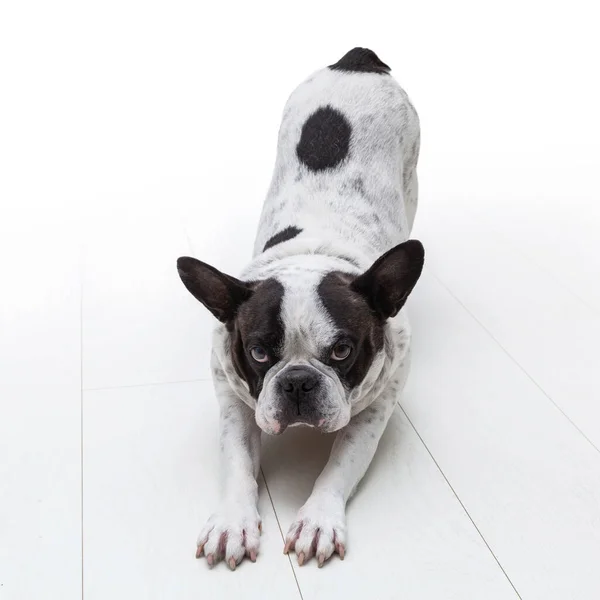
x=230, y=534
x=319, y=530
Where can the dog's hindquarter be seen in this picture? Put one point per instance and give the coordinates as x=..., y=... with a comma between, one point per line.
x=346, y=162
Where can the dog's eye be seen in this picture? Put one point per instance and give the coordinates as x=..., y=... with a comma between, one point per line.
x=341, y=351
x=259, y=354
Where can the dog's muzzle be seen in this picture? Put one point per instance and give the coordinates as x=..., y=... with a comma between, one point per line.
x=301, y=394
x=299, y=386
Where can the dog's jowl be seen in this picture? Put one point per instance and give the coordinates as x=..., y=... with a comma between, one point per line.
x=312, y=332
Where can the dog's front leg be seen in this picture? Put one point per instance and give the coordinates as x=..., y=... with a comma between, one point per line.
x=320, y=527
x=233, y=531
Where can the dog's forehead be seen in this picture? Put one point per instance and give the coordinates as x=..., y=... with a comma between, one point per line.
x=286, y=311
x=303, y=309
x=307, y=325
x=318, y=308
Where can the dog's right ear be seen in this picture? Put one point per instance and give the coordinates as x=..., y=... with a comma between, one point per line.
x=220, y=293
x=387, y=284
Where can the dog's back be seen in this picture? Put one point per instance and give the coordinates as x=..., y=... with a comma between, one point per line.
x=346, y=161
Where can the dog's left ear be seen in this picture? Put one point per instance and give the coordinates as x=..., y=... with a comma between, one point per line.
x=222, y=294
x=387, y=284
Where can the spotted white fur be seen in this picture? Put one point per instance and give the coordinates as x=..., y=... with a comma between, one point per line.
x=349, y=216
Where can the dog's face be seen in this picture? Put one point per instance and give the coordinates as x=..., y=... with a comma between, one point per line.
x=305, y=337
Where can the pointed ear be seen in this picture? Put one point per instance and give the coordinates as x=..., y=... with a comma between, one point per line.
x=220, y=293
x=387, y=284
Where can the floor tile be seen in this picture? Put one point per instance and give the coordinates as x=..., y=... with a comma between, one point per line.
x=547, y=330
x=150, y=483
x=408, y=536
x=140, y=325
x=40, y=418
x=527, y=477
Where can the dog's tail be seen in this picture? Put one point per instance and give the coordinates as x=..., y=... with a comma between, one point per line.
x=361, y=60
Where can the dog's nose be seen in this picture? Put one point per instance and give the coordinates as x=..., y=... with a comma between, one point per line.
x=298, y=382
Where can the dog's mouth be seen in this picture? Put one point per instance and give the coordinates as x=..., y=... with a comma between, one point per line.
x=278, y=421
x=320, y=424
x=276, y=426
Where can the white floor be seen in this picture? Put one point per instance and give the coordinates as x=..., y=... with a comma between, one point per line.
x=486, y=484
x=156, y=138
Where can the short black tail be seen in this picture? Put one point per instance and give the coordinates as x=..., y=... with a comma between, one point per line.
x=361, y=60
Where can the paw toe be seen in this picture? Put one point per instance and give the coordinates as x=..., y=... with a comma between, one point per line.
x=230, y=539
x=325, y=546
x=307, y=542
x=317, y=534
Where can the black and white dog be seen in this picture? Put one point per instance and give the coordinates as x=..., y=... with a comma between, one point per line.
x=313, y=332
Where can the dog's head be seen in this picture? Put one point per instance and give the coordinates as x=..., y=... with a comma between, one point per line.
x=305, y=337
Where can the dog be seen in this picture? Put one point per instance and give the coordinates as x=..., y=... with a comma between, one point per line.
x=313, y=332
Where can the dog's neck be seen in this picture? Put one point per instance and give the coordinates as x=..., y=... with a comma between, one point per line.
x=326, y=254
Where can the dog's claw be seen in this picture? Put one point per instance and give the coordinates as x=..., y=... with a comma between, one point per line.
x=231, y=536
x=318, y=532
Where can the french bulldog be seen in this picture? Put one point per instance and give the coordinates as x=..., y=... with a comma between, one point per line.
x=313, y=332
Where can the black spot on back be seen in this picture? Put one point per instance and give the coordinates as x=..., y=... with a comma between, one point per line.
x=283, y=236
x=355, y=321
x=325, y=139
x=258, y=323
x=361, y=60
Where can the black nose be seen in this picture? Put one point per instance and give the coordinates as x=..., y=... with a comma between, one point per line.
x=298, y=382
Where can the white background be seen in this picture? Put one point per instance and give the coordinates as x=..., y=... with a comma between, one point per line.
x=133, y=132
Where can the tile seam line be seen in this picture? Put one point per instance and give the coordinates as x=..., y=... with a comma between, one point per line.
x=460, y=502
x=81, y=436
x=150, y=384
x=281, y=532
x=515, y=361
